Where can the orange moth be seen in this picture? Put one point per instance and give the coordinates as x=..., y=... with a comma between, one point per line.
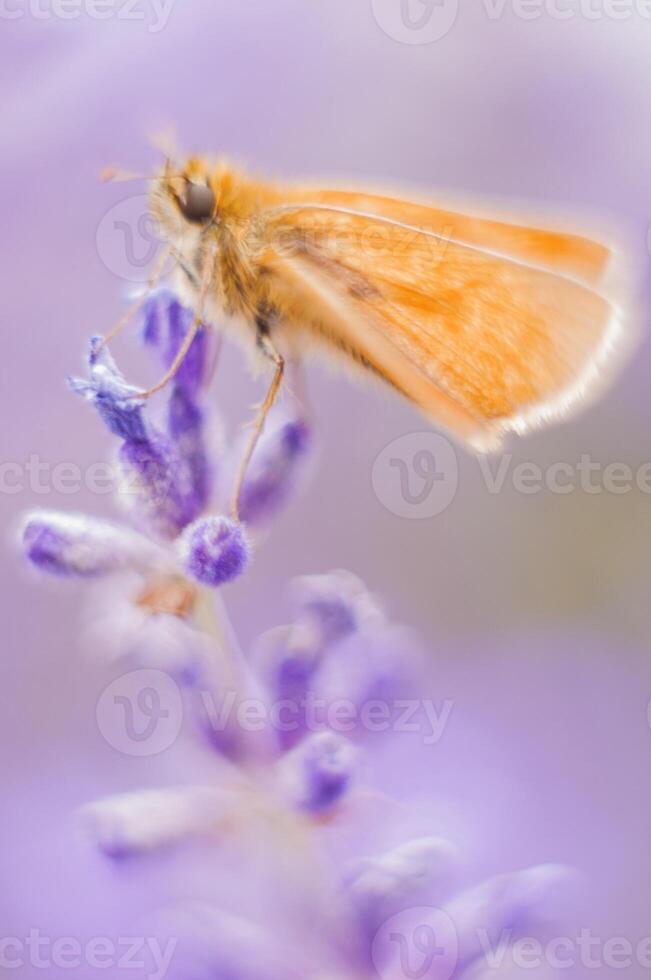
x=486, y=326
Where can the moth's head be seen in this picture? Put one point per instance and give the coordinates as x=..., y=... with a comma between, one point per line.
x=184, y=200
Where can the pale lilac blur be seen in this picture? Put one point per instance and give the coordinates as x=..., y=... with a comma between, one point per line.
x=534, y=607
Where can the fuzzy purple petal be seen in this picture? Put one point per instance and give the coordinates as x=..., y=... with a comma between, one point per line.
x=418, y=872
x=185, y=426
x=214, y=550
x=129, y=824
x=274, y=471
x=116, y=401
x=76, y=545
x=288, y=659
x=319, y=771
x=335, y=604
x=166, y=323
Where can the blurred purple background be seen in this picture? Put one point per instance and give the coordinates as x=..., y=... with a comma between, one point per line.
x=535, y=607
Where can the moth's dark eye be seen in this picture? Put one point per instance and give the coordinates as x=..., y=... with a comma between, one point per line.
x=198, y=203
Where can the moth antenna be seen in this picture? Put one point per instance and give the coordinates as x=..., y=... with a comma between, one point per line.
x=116, y=175
x=165, y=141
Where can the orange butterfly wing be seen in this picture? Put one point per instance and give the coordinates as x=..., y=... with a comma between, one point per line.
x=482, y=341
x=569, y=254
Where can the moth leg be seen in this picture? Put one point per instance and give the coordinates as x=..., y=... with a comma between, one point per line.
x=267, y=347
x=297, y=386
x=137, y=305
x=195, y=326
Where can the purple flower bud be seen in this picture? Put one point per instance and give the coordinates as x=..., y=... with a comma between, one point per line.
x=319, y=771
x=161, y=488
x=418, y=872
x=383, y=664
x=113, y=398
x=150, y=490
x=72, y=544
x=336, y=604
x=214, y=550
x=274, y=471
x=136, y=823
x=166, y=322
x=288, y=659
x=522, y=903
x=185, y=425
x=228, y=708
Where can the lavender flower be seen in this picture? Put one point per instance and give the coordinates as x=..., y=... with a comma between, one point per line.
x=420, y=871
x=116, y=401
x=165, y=323
x=157, y=480
x=335, y=605
x=133, y=823
x=293, y=782
x=319, y=771
x=274, y=470
x=288, y=659
x=214, y=550
x=73, y=544
x=165, y=477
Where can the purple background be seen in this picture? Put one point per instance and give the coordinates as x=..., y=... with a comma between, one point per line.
x=535, y=608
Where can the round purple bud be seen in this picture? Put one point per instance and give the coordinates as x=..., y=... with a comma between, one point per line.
x=336, y=604
x=214, y=550
x=320, y=771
